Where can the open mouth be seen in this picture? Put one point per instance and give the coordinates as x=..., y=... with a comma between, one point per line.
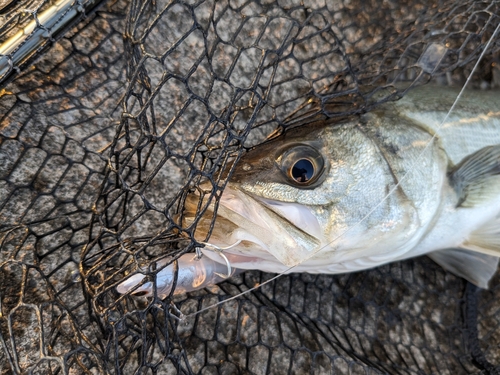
x=289, y=232
x=270, y=235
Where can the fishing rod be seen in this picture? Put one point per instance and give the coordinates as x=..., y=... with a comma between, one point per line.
x=45, y=28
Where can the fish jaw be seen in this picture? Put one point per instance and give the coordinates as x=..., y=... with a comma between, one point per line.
x=270, y=231
x=268, y=237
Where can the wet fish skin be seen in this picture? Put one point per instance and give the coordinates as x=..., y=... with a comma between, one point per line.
x=394, y=183
x=352, y=196
x=386, y=192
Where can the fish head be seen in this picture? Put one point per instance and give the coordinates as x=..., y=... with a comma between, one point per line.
x=317, y=195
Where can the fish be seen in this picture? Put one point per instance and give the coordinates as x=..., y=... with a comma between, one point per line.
x=406, y=179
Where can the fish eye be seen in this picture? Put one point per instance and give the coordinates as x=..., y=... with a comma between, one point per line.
x=302, y=165
x=302, y=171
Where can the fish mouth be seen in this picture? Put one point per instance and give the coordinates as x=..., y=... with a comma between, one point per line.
x=271, y=234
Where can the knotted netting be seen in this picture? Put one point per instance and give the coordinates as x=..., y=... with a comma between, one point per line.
x=107, y=133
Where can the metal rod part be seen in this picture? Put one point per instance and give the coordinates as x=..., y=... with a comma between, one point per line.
x=24, y=44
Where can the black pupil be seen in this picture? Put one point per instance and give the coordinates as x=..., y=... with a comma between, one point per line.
x=303, y=170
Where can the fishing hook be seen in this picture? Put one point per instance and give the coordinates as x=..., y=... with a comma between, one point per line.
x=219, y=250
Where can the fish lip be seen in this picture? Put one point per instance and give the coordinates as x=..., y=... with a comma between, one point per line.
x=267, y=234
x=267, y=204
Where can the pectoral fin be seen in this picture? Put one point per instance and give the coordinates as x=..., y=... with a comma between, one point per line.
x=475, y=267
x=477, y=178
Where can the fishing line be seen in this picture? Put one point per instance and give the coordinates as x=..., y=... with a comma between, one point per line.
x=419, y=156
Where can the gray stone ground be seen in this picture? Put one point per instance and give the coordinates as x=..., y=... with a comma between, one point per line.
x=57, y=121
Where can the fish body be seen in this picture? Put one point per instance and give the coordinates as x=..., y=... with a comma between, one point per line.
x=404, y=180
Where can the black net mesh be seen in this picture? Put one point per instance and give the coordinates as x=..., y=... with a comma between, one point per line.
x=103, y=138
